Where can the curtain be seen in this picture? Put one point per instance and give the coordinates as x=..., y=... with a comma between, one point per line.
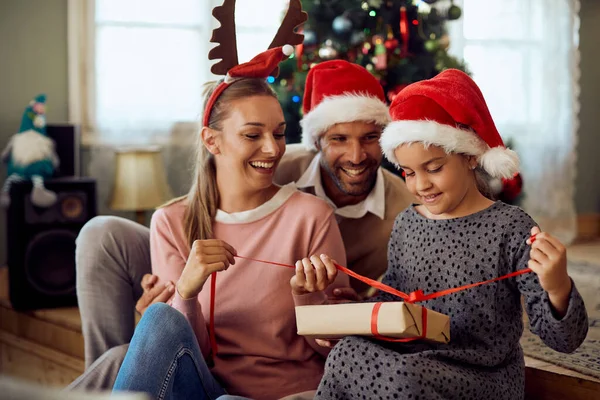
x=524, y=56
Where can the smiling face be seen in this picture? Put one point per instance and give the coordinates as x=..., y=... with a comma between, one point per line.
x=444, y=183
x=250, y=143
x=350, y=157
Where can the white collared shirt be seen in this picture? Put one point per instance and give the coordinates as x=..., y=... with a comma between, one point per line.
x=374, y=203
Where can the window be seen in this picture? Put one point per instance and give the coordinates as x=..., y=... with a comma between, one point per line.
x=524, y=56
x=139, y=65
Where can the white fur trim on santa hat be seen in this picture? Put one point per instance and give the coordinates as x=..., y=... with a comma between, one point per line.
x=499, y=162
x=333, y=110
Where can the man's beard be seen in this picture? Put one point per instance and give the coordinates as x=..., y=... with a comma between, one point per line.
x=353, y=189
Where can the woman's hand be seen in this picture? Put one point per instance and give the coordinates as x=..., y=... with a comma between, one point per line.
x=313, y=274
x=153, y=293
x=548, y=260
x=206, y=257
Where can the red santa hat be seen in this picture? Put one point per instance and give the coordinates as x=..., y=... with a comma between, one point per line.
x=338, y=91
x=448, y=111
x=260, y=66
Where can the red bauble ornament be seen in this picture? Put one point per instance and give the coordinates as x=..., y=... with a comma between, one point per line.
x=511, y=188
x=391, y=44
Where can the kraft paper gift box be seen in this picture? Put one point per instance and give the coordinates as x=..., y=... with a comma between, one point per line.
x=395, y=320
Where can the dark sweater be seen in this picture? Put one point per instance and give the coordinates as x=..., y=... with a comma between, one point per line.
x=484, y=359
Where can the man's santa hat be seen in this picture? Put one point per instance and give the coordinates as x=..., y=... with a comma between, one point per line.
x=260, y=66
x=338, y=91
x=448, y=111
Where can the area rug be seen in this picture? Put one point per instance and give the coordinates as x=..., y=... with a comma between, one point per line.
x=586, y=359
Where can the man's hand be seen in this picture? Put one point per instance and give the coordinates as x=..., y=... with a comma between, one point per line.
x=343, y=295
x=153, y=293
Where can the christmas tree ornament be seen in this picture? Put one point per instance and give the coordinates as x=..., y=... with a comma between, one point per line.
x=375, y=3
x=327, y=51
x=404, y=31
x=310, y=38
x=380, y=59
x=366, y=48
x=444, y=42
x=431, y=45
x=511, y=189
x=299, y=53
x=391, y=44
x=342, y=25
x=357, y=38
x=454, y=12
x=377, y=39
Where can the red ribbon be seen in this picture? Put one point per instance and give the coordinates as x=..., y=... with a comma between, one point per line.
x=211, y=322
x=416, y=296
x=375, y=330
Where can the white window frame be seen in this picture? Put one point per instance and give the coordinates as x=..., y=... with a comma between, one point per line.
x=81, y=37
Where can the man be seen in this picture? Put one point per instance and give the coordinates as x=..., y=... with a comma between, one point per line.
x=339, y=161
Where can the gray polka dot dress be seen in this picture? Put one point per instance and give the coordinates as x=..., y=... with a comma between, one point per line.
x=483, y=359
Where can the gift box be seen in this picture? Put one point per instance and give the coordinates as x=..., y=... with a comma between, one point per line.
x=390, y=319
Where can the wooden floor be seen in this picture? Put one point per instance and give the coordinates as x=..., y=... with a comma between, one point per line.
x=46, y=347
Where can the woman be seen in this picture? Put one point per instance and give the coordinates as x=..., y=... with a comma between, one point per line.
x=234, y=208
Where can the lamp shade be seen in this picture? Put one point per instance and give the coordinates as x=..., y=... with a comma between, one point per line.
x=140, y=180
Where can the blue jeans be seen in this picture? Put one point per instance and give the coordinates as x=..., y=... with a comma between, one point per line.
x=164, y=359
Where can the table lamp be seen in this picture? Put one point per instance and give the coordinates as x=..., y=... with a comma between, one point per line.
x=140, y=181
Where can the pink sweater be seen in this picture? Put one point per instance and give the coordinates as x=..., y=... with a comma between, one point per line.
x=260, y=355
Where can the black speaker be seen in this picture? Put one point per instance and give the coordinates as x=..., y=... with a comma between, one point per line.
x=41, y=242
x=67, y=140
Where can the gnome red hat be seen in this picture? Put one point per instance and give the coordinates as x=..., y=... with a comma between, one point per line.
x=260, y=66
x=338, y=91
x=448, y=111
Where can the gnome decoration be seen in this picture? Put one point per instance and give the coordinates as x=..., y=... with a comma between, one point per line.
x=30, y=156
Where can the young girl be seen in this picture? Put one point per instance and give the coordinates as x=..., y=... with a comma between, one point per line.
x=444, y=139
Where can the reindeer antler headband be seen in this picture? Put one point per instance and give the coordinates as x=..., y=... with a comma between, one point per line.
x=261, y=66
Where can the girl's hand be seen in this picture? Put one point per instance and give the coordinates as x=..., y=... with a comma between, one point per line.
x=548, y=260
x=313, y=275
x=206, y=257
x=329, y=343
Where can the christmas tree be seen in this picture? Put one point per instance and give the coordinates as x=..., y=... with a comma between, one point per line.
x=398, y=41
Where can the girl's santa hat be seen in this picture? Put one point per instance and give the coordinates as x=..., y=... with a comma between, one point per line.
x=338, y=91
x=448, y=111
x=260, y=67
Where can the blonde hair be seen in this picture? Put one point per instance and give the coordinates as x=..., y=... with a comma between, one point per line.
x=203, y=197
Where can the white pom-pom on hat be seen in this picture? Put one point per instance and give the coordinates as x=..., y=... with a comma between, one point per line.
x=288, y=49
